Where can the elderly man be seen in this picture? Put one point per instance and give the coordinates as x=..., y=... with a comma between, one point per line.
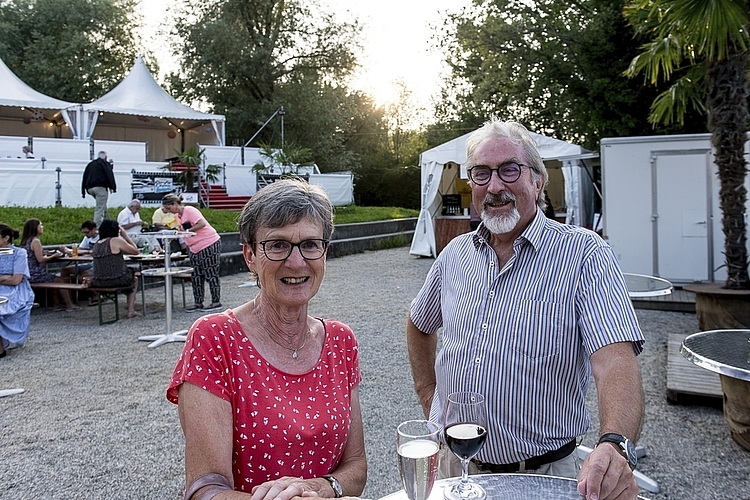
x=530, y=309
x=98, y=180
x=129, y=219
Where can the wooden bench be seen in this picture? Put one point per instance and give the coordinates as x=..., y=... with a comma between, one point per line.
x=103, y=295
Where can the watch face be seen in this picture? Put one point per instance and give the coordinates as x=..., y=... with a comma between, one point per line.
x=630, y=453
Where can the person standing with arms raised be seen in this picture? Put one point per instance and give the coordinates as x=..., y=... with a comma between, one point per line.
x=530, y=309
x=98, y=180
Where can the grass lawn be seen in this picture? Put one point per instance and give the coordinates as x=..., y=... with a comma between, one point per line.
x=62, y=224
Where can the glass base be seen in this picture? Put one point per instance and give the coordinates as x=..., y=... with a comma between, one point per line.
x=468, y=490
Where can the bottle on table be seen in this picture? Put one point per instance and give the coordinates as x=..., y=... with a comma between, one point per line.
x=145, y=248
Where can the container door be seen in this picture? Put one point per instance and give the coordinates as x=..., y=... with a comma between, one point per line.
x=682, y=216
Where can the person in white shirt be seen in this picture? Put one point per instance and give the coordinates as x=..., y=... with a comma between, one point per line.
x=130, y=220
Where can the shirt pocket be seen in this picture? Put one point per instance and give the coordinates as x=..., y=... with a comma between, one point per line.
x=536, y=329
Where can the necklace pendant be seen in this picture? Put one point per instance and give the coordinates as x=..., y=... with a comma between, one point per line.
x=295, y=355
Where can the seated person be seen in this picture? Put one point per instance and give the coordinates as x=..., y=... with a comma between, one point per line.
x=110, y=269
x=90, y=236
x=37, y=260
x=15, y=314
x=26, y=152
x=130, y=220
x=163, y=219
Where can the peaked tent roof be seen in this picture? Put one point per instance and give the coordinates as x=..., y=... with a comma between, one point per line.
x=139, y=94
x=137, y=98
x=14, y=94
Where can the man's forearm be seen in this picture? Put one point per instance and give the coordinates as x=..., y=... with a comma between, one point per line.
x=421, y=348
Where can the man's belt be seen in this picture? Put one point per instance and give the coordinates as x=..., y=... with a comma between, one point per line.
x=530, y=463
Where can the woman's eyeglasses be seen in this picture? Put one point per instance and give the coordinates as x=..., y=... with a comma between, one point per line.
x=277, y=250
x=508, y=172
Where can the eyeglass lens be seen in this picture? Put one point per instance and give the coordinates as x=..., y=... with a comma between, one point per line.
x=281, y=249
x=508, y=172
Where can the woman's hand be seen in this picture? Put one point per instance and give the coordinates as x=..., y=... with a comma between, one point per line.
x=287, y=488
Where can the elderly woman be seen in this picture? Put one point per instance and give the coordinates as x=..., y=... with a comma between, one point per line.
x=268, y=395
x=15, y=314
x=204, y=251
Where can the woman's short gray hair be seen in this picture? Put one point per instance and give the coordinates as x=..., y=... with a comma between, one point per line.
x=286, y=201
x=517, y=134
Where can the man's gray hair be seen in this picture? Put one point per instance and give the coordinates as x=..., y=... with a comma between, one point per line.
x=134, y=203
x=102, y=155
x=286, y=201
x=517, y=134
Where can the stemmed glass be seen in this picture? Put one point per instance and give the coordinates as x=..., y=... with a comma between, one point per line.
x=465, y=434
x=418, y=444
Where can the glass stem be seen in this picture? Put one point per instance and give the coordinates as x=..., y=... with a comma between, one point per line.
x=464, y=471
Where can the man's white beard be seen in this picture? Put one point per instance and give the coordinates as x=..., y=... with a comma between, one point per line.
x=501, y=224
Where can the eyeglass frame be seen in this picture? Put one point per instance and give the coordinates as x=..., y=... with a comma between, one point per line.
x=291, y=248
x=497, y=170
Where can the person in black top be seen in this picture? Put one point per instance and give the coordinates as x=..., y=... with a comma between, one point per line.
x=98, y=181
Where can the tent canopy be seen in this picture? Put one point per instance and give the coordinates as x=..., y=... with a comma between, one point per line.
x=454, y=151
x=138, y=100
x=15, y=95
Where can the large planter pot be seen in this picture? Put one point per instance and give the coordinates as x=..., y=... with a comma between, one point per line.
x=717, y=309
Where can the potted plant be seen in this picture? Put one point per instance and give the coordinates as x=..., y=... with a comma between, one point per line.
x=191, y=159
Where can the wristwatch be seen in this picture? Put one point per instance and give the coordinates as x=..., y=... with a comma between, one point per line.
x=626, y=447
x=335, y=486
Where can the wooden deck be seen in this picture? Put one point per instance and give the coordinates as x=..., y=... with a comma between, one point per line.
x=679, y=300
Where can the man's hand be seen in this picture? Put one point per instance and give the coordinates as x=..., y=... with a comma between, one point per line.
x=605, y=475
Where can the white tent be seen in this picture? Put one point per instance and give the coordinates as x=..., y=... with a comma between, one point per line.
x=139, y=109
x=433, y=161
x=22, y=106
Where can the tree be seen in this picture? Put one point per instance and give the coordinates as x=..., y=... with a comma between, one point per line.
x=75, y=50
x=711, y=40
x=556, y=66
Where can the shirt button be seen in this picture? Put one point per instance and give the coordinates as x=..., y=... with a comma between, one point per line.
x=484, y=326
x=492, y=293
x=492, y=263
x=477, y=361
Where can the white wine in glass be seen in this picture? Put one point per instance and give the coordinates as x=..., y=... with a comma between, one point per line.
x=418, y=444
x=465, y=434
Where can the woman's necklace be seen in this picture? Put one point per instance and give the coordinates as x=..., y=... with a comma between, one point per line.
x=295, y=354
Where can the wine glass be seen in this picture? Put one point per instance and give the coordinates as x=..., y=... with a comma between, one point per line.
x=418, y=444
x=465, y=434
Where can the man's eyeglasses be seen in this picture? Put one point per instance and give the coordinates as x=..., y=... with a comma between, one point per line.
x=277, y=250
x=508, y=172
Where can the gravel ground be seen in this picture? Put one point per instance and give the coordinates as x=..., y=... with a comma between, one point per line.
x=94, y=422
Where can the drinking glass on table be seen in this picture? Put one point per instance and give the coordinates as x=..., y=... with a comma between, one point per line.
x=418, y=443
x=465, y=434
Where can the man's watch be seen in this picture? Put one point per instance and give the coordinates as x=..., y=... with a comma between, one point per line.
x=626, y=447
x=335, y=486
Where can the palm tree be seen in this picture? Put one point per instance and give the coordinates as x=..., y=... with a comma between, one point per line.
x=705, y=44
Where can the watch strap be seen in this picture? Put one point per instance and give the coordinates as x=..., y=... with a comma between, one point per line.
x=624, y=445
x=335, y=486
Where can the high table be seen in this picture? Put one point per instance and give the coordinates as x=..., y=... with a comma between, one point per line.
x=640, y=285
x=168, y=271
x=8, y=392
x=726, y=352
x=510, y=487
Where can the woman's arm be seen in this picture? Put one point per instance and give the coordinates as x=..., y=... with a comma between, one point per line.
x=11, y=279
x=207, y=424
x=125, y=243
x=36, y=247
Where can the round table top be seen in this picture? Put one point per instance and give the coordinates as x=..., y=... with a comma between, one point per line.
x=726, y=352
x=510, y=487
x=161, y=271
x=640, y=285
x=170, y=234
